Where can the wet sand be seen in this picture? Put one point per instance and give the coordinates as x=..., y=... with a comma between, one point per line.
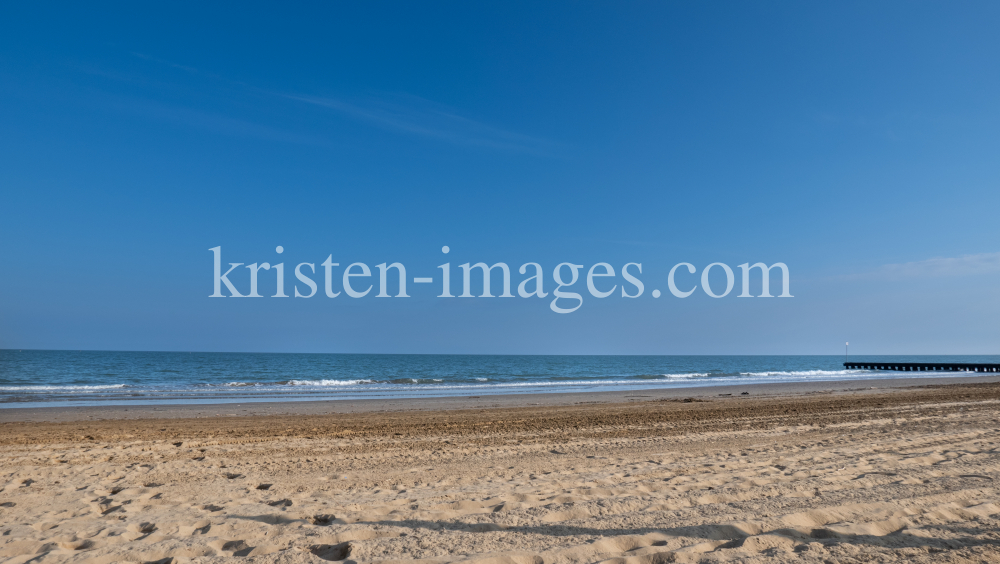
x=890, y=470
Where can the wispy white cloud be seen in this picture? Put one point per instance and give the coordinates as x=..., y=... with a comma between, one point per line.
x=207, y=121
x=417, y=116
x=943, y=266
x=169, y=63
x=402, y=113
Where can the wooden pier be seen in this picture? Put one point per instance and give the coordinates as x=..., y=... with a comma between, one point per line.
x=922, y=366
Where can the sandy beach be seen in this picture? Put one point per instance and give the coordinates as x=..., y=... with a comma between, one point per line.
x=880, y=471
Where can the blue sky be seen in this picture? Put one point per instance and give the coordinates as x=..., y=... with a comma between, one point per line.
x=855, y=142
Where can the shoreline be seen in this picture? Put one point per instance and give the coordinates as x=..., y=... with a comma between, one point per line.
x=70, y=413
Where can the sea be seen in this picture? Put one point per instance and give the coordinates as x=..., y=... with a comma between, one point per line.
x=34, y=378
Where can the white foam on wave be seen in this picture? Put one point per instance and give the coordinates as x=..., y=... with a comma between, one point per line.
x=57, y=388
x=328, y=382
x=440, y=385
x=803, y=373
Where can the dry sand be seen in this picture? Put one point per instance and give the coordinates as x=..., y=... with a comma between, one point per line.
x=871, y=475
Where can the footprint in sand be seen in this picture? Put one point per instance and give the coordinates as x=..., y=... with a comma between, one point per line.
x=79, y=544
x=199, y=528
x=108, y=492
x=322, y=519
x=142, y=527
x=103, y=506
x=231, y=547
x=875, y=474
x=331, y=551
x=136, y=531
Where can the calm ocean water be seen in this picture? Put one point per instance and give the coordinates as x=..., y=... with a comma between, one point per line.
x=34, y=378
